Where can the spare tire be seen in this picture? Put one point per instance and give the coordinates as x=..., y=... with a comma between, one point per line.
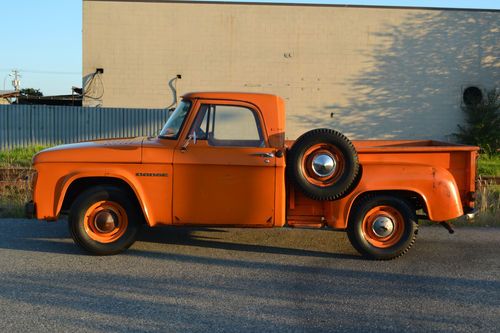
x=323, y=164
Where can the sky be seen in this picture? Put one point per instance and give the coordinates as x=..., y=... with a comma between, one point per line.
x=43, y=39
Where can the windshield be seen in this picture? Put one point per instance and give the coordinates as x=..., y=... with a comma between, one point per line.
x=174, y=124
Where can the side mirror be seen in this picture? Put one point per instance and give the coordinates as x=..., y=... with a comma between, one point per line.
x=170, y=112
x=193, y=137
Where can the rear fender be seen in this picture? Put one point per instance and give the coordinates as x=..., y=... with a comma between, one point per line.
x=435, y=186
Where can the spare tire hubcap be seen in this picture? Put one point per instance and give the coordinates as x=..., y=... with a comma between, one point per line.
x=324, y=165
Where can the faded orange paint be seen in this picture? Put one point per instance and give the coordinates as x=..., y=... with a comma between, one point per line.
x=442, y=175
x=181, y=182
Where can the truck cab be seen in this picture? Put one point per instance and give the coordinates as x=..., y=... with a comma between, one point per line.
x=228, y=161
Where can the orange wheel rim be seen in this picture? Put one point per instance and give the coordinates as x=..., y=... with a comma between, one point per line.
x=327, y=174
x=105, y=221
x=383, y=226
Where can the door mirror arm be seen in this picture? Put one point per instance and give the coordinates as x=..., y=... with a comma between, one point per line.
x=192, y=137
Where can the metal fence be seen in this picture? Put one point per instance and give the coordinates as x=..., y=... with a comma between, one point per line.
x=26, y=125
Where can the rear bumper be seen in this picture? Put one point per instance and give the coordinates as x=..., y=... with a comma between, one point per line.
x=472, y=214
x=30, y=210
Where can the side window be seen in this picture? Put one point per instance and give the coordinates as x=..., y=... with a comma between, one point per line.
x=229, y=125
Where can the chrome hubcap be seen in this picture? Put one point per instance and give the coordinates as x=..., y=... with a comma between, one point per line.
x=383, y=226
x=324, y=165
x=106, y=221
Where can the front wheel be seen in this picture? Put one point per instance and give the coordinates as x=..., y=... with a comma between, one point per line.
x=382, y=227
x=104, y=220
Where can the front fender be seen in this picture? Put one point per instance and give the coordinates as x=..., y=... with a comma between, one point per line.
x=53, y=186
x=129, y=179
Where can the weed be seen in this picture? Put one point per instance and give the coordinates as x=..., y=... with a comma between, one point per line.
x=13, y=196
x=18, y=157
x=488, y=204
x=15, y=188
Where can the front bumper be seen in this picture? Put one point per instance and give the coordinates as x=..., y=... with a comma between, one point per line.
x=472, y=214
x=30, y=210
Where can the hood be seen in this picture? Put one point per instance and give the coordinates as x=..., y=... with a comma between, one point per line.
x=110, y=151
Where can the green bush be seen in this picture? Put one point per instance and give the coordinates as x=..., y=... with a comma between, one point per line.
x=482, y=124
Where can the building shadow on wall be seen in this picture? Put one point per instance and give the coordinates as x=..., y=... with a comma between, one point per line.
x=414, y=76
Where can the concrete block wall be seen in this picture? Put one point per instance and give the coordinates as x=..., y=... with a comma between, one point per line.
x=381, y=73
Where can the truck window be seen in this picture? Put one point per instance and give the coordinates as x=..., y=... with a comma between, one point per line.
x=229, y=125
x=174, y=124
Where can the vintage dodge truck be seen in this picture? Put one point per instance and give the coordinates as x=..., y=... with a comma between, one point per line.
x=222, y=160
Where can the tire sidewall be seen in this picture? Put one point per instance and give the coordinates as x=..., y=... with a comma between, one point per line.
x=77, y=217
x=344, y=184
x=356, y=234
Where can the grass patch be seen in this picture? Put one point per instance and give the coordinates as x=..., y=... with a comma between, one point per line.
x=489, y=165
x=488, y=204
x=18, y=157
x=15, y=191
x=13, y=196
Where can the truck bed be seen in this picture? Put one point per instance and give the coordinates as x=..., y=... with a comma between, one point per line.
x=459, y=160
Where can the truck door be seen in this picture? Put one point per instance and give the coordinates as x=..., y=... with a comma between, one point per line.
x=224, y=174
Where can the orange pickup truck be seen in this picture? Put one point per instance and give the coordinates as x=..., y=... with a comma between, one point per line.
x=222, y=160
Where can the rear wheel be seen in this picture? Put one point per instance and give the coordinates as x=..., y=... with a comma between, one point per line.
x=382, y=227
x=104, y=220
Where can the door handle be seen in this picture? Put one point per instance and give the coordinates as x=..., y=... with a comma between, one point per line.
x=265, y=155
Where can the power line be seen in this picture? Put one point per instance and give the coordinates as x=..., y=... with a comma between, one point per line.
x=42, y=72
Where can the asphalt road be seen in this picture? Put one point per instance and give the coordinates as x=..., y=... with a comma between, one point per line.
x=247, y=280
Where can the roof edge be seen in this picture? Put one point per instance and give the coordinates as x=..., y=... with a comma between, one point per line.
x=306, y=5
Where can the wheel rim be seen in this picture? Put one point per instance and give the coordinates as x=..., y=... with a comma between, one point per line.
x=383, y=226
x=323, y=164
x=105, y=221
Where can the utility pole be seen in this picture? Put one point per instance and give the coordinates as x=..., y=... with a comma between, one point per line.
x=16, y=83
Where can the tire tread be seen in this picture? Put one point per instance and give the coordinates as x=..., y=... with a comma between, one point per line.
x=88, y=245
x=319, y=134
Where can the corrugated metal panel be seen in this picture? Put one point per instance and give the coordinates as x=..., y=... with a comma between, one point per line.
x=26, y=125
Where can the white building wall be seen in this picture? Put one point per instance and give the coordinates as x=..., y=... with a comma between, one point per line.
x=382, y=73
